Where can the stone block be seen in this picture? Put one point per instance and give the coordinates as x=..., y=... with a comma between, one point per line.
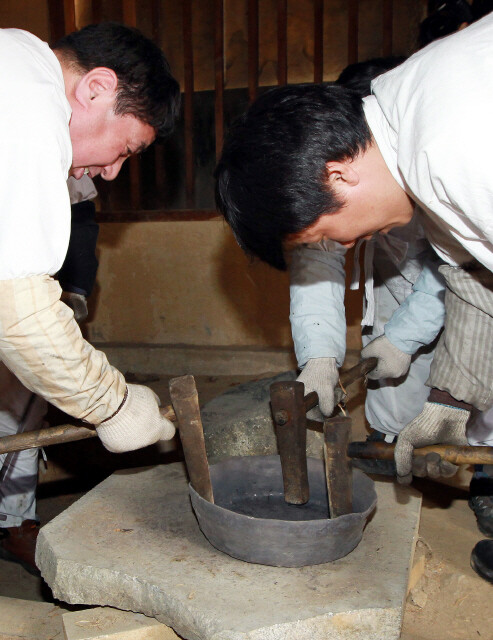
x=29, y=620
x=133, y=543
x=105, y=623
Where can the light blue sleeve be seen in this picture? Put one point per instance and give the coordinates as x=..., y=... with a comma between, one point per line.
x=317, y=286
x=420, y=317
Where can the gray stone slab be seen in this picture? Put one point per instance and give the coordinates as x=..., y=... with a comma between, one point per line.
x=133, y=543
x=239, y=422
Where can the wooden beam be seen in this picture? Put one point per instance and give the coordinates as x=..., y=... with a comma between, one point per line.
x=282, y=42
x=252, y=49
x=387, y=27
x=161, y=215
x=130, y=18
x=318, y=40
x=353, y=15
x=188, y=101
x=219, y=74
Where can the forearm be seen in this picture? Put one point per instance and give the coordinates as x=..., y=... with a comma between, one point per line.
x=419, y=319
x=42, y=344
x=318, y=322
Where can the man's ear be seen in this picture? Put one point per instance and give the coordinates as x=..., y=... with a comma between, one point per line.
x=98, y=84
x=341, y=174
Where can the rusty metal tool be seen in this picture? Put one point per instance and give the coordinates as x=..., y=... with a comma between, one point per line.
x=186, y=405
x=338, y=473
x=57, y=435
x=288, y=410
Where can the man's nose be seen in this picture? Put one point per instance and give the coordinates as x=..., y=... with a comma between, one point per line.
x=110, y=171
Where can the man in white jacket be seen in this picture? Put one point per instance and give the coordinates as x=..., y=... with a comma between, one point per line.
x=99, y=96
x=319, y=164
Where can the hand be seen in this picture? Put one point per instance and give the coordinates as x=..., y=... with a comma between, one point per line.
x=78, y=303
x=436, y=424
x=137, y=423
x=320, y=375
x=392, y=362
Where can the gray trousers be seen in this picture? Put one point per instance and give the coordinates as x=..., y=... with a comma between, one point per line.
x=19, y=410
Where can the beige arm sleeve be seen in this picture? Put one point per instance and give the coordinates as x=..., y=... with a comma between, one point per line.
x=41, y=343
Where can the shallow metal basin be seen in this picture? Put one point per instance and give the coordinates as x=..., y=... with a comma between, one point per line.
x=251, y=521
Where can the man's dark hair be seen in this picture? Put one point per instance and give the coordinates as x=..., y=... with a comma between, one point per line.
x=444, y=18
x=271, y=178
x=480, y=8
x=146, y=88
x=358, y=76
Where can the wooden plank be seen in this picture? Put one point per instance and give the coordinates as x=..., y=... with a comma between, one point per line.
x=353, y=15
x=130, y=19
x=97, y=11
x=387, y=27
x=337, y=433
x=282, y=42
x=69, y=11
x=318, y=40
x=188, y=102
x=219, y=75
x=159, y=167
x=56, y=19
x=252, y=49
x=185, y=401
x=161, y=215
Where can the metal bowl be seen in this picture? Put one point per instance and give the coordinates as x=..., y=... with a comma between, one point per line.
x=251, y=521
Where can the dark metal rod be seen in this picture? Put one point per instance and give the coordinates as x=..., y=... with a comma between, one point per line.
x=287, y=398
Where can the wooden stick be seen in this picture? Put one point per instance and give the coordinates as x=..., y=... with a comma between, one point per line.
x=452, y=453
x=337, y=433
x=186, y=405
x=59, y=434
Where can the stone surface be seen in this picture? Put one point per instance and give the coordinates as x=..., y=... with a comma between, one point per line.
x=133, y=543
x=29, y=620
x=105, y=623
x=239, y=422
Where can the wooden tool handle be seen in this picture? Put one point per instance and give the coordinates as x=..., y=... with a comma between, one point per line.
x=186, y=405
x=58, y=435
x=449, y=452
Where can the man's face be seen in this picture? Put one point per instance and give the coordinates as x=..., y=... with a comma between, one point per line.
x=372, y=201
x=346, y=226
x=104, y=143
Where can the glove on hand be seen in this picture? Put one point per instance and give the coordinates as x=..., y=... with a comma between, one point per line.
x=78, y=303
x=436, y=424
x=392, y=362
x=137, y=423
x=320, y=375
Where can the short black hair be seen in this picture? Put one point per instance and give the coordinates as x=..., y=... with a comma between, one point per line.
x=358, y=76
x=270, y=179
x=481, y=8
x=146, y=88
x=446, y=16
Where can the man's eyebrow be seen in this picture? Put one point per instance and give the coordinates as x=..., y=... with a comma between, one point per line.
x=143, y=147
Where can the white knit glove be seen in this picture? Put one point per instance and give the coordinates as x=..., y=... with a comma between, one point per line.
x=137, y=423
x=320, y=375
x=436, y=424
x=392, y=362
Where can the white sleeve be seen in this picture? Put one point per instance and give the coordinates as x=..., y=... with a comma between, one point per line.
x=35, y=159
x=317, y=287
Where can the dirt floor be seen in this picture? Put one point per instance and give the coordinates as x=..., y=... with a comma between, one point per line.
x=447, y=601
